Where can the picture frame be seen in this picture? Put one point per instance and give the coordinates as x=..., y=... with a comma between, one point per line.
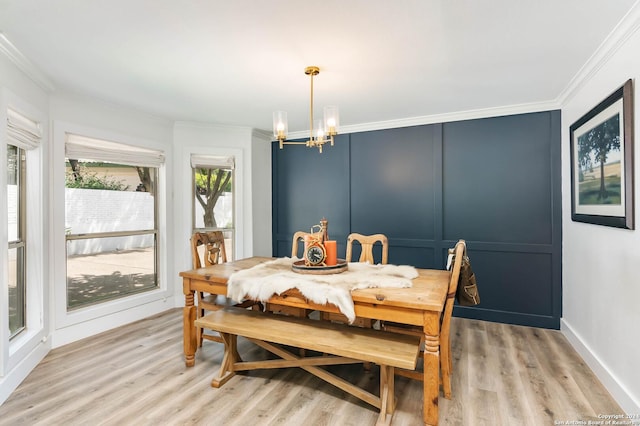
x=602, y=170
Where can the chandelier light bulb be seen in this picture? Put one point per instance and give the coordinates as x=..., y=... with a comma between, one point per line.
x=280, y=125
x=319, y=130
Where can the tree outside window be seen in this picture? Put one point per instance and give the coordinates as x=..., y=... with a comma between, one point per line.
x=210, y=185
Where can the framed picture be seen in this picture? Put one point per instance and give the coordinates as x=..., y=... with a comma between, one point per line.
x=602, y=162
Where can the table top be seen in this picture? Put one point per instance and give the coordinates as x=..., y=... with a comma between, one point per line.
x=428, y=290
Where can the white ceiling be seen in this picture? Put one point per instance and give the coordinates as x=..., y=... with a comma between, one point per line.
x=236, y=61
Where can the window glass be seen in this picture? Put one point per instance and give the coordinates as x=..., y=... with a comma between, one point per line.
x=16, y=291
x=111, y=228
x=16, y=220
x=13, y=181
x=106, y=197
x=111, y=269
x=213, y=203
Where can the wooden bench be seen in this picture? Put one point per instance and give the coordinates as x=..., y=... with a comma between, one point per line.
x=345, y=344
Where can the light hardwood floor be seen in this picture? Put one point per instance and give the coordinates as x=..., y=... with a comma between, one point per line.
x=135, y=375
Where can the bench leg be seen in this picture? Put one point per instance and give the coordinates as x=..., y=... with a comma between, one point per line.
x=387, y=392
x=230, y=357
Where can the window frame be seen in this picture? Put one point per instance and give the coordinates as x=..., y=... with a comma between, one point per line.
x=69, y=237
x=33, y=341
x=228, y=232
x=76, y=324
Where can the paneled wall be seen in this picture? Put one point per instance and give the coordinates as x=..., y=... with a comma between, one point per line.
x=493, y=182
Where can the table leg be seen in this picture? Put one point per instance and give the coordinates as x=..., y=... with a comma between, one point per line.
x=431, y=387
x=188, y=328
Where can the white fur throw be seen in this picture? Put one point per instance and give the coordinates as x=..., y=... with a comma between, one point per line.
x=275, y=277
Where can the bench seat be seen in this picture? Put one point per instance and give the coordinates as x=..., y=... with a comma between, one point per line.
x=346, y=345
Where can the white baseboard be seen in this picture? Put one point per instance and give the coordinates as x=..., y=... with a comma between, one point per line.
x=12, y=380
x=615, y=388
x=81, y=330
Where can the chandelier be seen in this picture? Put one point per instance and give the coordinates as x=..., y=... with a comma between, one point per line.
x=324, y=130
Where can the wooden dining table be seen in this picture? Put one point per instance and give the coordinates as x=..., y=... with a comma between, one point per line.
x=421, y=304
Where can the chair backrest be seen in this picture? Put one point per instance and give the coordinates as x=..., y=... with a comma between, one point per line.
x=459, y=251
x=366, y=243
x=297, y=237
x=214, y=250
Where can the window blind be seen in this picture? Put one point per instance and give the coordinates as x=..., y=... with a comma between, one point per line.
x=22, y=131
x=85, y=148
x=212, y=162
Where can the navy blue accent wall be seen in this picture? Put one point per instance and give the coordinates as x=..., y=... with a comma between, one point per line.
x=494, y=182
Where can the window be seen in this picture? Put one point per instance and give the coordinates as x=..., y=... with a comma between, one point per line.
x=16, y=167
x=213, y=204
x=111, y=221
x=23, y=135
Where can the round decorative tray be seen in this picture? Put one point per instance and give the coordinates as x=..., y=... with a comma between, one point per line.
x=301, y=268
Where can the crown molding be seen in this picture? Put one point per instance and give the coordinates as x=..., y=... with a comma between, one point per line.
x=626, y=28
x=262, y=134
x=210, y=125
x=24, y=65
x=453, y=116
x=441, y=118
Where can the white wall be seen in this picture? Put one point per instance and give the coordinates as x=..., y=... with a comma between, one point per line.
x=601, y=284
x=261, y=193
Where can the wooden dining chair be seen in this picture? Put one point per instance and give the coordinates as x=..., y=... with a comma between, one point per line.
x=297, y=238
x=446, y=364
x=208, y=248
x=366, y=243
